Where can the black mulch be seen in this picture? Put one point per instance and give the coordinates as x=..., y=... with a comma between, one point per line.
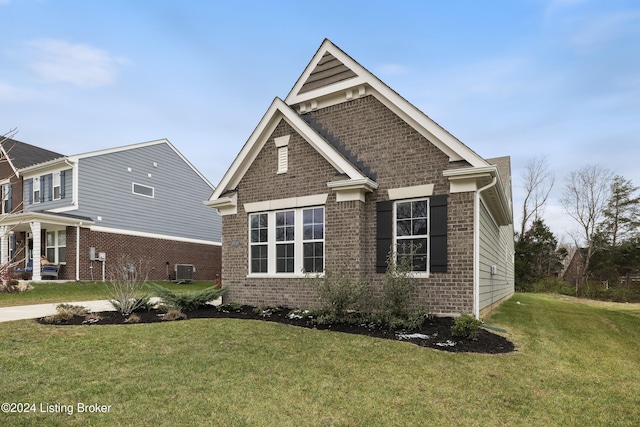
x=435, y=333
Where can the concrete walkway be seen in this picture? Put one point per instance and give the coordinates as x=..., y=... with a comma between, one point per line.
x=36, y=311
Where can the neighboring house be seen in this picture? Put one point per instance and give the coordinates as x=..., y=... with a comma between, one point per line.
x=343, y=171
x=142, y=202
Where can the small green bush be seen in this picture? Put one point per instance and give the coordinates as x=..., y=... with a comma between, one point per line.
x=398, y=288
x=230, y=307
x=340, y=296
x=466, y=326
x=186, y=301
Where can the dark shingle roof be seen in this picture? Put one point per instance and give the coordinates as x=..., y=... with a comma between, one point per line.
x=22, y=154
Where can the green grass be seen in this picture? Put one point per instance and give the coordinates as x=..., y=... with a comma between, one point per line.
x=45, y=292
x=576, y=364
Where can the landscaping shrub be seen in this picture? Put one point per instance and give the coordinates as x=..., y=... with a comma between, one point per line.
x=186, y=301
x=126, y=281
x=398, y=288
x=466, y=326
x=340, y=296
x=174, y=314
x=66, y=312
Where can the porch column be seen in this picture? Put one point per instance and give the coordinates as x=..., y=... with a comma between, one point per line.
x=4, y=244
x=35, y=230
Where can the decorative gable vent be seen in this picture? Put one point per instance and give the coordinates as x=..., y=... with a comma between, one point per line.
x=282, y=144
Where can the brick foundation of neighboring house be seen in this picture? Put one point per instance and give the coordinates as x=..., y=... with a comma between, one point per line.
x=159, y=256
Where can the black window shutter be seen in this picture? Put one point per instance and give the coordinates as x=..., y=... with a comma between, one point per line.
x=62, y=184
x=9, y=198
x=384, y=234
x=30, y=190
x=438, y=234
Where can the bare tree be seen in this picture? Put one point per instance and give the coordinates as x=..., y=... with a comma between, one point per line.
x=585, y=198
x=7, y=267
x=537, y=181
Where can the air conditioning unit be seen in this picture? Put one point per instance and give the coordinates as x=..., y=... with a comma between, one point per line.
x=184, y=272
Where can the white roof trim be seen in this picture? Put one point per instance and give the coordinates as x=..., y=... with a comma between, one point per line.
x=279, y=110
x=76, y=157
x=447, y=143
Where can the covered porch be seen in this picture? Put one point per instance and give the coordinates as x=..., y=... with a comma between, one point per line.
x=29, y=236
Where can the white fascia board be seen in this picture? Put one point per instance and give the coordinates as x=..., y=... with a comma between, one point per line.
x=471, y=179
x=248, y=153
x=119, y=149
x=46, y=167
x=447, y=143
x=279, y=110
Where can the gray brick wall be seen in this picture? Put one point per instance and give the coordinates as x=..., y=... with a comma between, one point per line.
x=400, y=157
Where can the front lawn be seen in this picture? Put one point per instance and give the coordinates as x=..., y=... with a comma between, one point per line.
x=577, y=364
x=52, y=292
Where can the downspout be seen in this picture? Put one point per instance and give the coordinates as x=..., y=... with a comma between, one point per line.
x=476, y=252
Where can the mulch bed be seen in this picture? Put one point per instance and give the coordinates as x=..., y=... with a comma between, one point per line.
x=435, y=333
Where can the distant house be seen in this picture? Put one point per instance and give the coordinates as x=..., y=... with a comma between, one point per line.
x=343, y=172
x=87, y=211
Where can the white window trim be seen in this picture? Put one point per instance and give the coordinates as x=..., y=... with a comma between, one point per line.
x=55, y=175
x=298, y=245
x=36, y=190
x=133, y=190
x=417, y=274
x=56, y=245
x=4, y=194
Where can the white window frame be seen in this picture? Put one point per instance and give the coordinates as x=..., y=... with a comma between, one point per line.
x=298, y=241
x=399, y=239
x=5, y=186
x=56, y=245
x=37, y=188
x=133, y=190
x=57, y=185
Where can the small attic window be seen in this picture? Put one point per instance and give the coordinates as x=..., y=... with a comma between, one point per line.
x=282, y=145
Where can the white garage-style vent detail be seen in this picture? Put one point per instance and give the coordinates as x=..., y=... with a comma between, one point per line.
x=282, y=145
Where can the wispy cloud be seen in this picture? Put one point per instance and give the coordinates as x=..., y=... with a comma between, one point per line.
x=602, y=30
x=81, y=65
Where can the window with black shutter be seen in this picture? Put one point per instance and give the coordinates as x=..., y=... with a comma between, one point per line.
x=417, y=228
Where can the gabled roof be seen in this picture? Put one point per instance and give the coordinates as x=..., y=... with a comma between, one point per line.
x=332, y=76
x=276, y=112
x=22, y=155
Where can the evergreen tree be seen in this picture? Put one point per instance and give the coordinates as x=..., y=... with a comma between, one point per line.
x=537, y=255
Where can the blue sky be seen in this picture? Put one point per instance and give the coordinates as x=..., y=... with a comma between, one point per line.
x=524, y=78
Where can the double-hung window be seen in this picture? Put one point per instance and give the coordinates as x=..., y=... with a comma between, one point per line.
x=36, y=190
x=57, y=193
x=412, y=234
x=6, y=198
x=287, y=242
x=259, y=229
x=57, y=246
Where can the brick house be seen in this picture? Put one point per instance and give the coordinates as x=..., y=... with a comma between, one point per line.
x=342, y=171
x=142, y=202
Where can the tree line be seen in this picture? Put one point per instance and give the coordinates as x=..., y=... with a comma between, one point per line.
x=605, y=210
